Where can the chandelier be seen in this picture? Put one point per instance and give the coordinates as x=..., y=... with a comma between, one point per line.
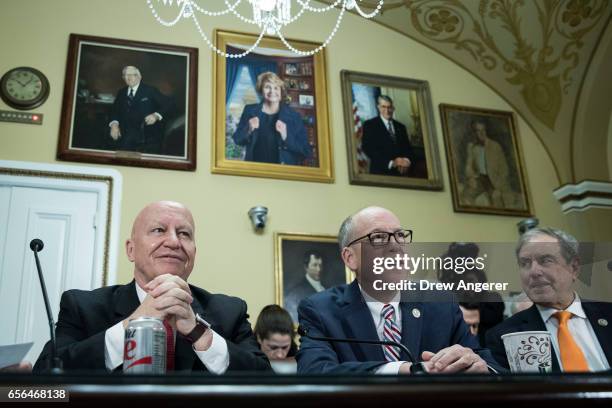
x=271, y=16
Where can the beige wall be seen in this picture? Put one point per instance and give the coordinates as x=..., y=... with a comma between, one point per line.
x=231, y=258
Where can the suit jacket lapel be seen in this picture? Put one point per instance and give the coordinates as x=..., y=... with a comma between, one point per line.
x=596, y=314
x=126, y=300
x=411, y=327
x=358, y=324
x=532, y=321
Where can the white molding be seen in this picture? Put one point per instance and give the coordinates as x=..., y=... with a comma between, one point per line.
x=71, y=181
x=584, y=195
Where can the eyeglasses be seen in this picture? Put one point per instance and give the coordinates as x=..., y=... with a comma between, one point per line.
x=382, y=238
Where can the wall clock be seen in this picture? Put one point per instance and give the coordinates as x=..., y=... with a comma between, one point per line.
x=24, y=88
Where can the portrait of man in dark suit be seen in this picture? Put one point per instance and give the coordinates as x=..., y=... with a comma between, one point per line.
x=386, y=142
x=137, y=116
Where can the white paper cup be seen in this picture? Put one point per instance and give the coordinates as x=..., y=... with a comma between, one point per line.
x=529, y=351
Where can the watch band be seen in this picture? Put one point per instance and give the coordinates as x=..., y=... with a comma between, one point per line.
x=198, y=331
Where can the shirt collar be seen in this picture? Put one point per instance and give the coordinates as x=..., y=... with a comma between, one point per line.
x=376, y=306
x=135, y=88
x=575, y=308
x=385, y=121
x=140, y=292
x=314, y=283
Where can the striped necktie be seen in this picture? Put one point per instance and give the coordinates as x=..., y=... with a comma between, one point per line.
x=391, y=332
x=572, y=356
x=391, y=132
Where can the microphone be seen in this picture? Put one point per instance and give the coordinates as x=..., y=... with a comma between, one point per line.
x=36, y=245
x=415, y=368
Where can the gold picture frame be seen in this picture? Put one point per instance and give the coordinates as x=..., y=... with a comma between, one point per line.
x=498, y=185
x=290, y=252
x=372, y=149
x=305, y=84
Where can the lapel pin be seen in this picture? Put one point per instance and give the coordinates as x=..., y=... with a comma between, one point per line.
x=602, y=322
x=417, y=313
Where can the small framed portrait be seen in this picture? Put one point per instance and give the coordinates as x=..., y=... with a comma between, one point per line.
x=264, y=124
x=306, y=100
x=129, y=102
x=485, y=162
x=390, y=135
x=304, y=265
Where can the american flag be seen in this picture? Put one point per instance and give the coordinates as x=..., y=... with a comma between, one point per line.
x=362, y=159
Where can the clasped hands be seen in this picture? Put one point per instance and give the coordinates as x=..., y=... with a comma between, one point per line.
x=449, y=360
x=169, y=298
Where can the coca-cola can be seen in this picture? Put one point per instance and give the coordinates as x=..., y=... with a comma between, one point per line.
x=144, y=350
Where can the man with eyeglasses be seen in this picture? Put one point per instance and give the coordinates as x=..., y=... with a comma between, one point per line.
x=434, y=331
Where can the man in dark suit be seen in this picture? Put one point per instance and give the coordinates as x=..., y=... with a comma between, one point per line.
x=580, y=330
x=308, y=285
x=435, y=331
x=138, y=114
x=385, y=141
x=211, y=331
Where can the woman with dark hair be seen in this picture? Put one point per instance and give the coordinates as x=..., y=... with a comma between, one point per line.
x=481, y=310
x=275, y=333
x=271, y=131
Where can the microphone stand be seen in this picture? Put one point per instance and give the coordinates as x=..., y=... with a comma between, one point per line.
x=415, y=368
x=56, y=364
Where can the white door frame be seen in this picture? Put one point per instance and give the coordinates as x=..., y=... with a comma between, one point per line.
x=106, y=182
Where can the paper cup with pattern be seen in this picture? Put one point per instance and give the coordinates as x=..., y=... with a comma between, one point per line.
x=529, y=351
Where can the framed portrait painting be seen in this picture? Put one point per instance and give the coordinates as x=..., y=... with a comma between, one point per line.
x=485, y=162
x=304, y=265
x=129, y=103
x=390, y=135
x=271, y=110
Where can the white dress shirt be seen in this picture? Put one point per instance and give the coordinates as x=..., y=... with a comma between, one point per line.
x=376, y=308
x=215, y=359
x=316, y=285
x=582, y=332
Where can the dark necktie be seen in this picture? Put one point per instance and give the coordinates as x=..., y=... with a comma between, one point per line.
x=131, y=95
x=390, y=129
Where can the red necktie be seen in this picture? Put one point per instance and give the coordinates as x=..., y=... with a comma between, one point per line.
x=169, y=346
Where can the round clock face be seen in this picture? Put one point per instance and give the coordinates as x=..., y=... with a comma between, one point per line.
x=24, y=88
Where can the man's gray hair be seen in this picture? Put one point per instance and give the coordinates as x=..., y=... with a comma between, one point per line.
x=568, y=244
x=345, y=232
x=384, y=98
x=130, y=66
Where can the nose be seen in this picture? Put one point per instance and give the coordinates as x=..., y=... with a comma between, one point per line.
x=172, y=240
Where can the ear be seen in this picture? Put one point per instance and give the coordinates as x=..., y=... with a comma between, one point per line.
x=350, y=258
x=575, y=265
x=129, y=249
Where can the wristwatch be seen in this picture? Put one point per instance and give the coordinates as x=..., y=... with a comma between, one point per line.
x=199, y=329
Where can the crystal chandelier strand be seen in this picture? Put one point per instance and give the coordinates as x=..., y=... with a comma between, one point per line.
x=217, y=50
x=373, y=13
x=164, y=22
x=320, y=47
x=240, y=16
x=306, y=5
x=216, y=13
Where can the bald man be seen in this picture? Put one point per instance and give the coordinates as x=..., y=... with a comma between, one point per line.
x=433, y=331
x=211, y=331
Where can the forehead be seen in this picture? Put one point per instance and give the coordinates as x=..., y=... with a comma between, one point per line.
x=540, y=244
x=384, y=103
x=314, y=259
x=376, y=220
x=165, y=214
x=278, y=338
x=131, y=71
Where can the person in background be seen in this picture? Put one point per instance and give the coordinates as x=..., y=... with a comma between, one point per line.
x=275, y=333
x=313, y=264
x=481, y=310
